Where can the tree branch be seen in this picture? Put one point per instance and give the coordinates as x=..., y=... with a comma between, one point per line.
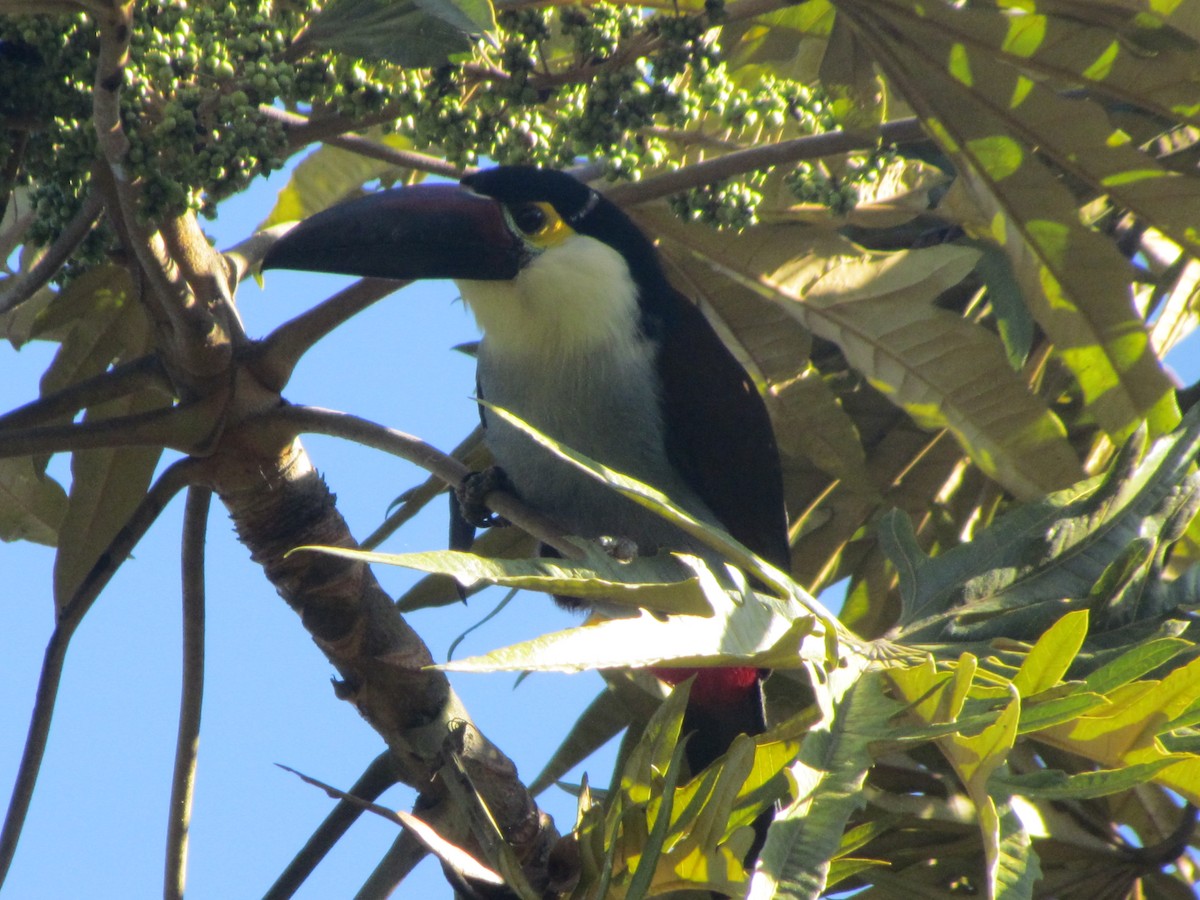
x=209, y=277
x=183, y=779
x=416, y=451
x=278, y=502
x=738, y=162
x=418, y=497
x=275, y=357
x=303, y=131
x=134, y=375
x=56, y=255
x=200, y=342
x=187, y=427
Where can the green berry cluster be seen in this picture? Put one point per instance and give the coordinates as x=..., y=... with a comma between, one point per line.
x=189, y=105
x=556, y=85
x=46, y=71
x=653, y=85
x=814, y=183
x=727, y=204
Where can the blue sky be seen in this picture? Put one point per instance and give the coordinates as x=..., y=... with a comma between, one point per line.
x=96, y=828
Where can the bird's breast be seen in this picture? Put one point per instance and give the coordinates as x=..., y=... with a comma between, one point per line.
x=605, y=406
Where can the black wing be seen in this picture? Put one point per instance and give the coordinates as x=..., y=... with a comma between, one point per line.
x=718, y=434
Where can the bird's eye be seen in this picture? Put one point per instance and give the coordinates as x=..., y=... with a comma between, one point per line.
x=529, y=217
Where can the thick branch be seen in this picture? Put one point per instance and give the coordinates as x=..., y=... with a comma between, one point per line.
x=200, y=341
x=278, y=502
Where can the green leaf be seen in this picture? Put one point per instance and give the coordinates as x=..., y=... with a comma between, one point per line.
x=1133, y=664
x=829, y=773
x=759, y=631
x=1052, y=655
x=442, y=590
x=791, y=41
x=32, y=504
x=941, y=369
x=1056, y=785
x=1043, y=555
x=987, y=117
x=97, y=320
x=1016, y=867
x=645, y=495
x=654, y=582
x=99, y=323
x=329, y=175
x=106, y=487
x=412, y=33
x=1047, y=713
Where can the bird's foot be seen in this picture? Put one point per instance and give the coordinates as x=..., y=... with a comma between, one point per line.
x=622, y=549
x=472, y=493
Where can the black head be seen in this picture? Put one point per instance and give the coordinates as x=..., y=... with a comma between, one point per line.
x=582, y=208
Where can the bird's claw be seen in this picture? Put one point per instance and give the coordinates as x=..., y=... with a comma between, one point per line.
x=622, y=549
x=472, y=494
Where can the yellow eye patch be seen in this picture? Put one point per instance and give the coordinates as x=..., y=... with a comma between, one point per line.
x=538, y=224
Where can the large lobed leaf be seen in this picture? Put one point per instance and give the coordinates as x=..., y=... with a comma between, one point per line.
x=413, y=33
x=878, y=308
x=964, y=71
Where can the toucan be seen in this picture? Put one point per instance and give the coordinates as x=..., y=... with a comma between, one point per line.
x=585, y=339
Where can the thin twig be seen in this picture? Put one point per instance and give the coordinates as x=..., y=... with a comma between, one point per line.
x=25, y=286
x=418, y=497
x=700, y=138
x=375, y=779
x=740, y=161
x=303, y=131
x=273, y=359
x=450, y=470
x=183, y=779
x=409, y=159
x=174, y=479
x=147, y=371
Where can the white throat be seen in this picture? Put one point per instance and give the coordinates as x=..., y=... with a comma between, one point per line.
x=573, y=299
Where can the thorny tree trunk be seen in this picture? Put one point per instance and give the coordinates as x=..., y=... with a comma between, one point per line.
x=278, y=502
